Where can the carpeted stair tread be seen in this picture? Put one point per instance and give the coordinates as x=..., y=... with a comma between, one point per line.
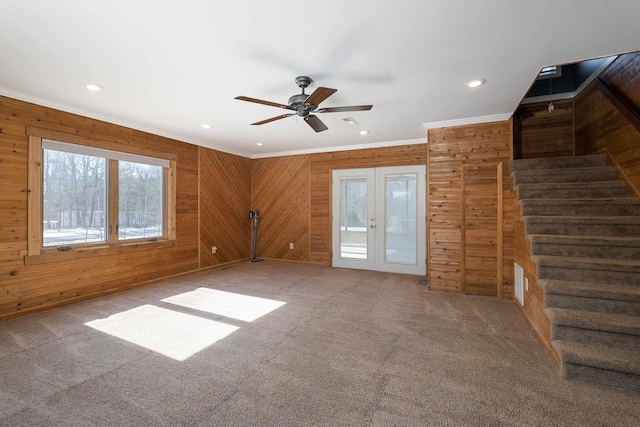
x=625, y=265
x=571, y=185
x=562, y=239
x=590, y=220
x=611, y=206
x=559, y=162
x=615, y=323
x=590, y=290
x=587, y=174
x=561, y=190
x=598, y=357
x=632, y=201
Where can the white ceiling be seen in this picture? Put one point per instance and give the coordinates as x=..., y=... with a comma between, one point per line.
x=169, y=66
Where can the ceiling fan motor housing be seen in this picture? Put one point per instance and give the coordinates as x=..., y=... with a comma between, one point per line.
x=303, y=81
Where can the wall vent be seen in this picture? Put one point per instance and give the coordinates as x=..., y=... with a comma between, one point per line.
x=518, y=279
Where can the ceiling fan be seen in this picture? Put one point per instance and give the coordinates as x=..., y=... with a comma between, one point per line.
x=303, y=105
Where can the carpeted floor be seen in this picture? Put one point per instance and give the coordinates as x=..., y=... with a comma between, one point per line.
x=274, y=344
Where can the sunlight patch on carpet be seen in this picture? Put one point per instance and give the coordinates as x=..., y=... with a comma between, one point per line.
x=170, y=333
x=236, y=306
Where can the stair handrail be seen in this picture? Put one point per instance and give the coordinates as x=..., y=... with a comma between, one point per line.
x=620, y=101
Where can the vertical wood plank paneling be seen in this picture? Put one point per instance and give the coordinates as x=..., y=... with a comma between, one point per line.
x=600, y=126
x=451, y=150
x=542, y=133
x=480, y=228
x=225, y=189
x=280, y=192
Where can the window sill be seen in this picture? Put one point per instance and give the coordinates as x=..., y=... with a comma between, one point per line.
x=95, y=251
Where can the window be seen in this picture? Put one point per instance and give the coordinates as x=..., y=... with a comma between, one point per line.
x=74, y=198
x=83, y=196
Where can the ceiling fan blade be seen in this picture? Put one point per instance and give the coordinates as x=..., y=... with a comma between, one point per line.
x=260, y=101
x=315, y=123
x=319, y=95
x=273, y=119
x=344, y=109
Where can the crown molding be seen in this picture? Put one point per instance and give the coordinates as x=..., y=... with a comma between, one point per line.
x=342, y=148
x=468, y=121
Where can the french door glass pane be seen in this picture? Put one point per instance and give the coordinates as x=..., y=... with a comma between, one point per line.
x=140, y=189
x=74, y=199
x=353, y=218
x=400, y=218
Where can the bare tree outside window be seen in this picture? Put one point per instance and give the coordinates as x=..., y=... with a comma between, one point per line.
x=74, y=198
x=141, y=212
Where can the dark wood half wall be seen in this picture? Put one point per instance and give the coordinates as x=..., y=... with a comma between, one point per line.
x=541, y=133
x=601, y=127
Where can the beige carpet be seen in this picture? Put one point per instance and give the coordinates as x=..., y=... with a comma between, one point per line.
x=290, y=345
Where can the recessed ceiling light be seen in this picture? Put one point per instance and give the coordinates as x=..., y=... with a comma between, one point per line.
x=95, y=88
x=206, y=126
x=259, y=144
x=475, y=83
x=364, y=132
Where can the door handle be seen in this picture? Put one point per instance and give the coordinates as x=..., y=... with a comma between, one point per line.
x=372, y=226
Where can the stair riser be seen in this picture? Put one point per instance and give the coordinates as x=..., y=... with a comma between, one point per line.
x=559, y=162
x=572, y=193
x=579, y=210
x=608, y=174
x=613, y=230
x=595, y=338
x=589, y=276
x=601, y=376
x=599, y=305
x=586, y=251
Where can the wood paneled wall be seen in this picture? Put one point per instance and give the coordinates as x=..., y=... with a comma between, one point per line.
x=76, y=275
x=464, y=162
x=600, y=127
x=540, y=133
x=280, y=192
x=225, y=201
x=293, y=195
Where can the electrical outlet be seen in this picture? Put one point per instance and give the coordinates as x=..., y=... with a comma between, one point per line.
x=291, y=245
x=214, y=249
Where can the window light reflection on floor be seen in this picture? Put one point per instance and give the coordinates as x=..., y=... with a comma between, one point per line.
x=170, y=333
x=236, y=306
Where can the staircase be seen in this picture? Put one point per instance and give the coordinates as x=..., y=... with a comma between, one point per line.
x=585, y=240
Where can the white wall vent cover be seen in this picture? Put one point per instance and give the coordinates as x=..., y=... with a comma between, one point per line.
x=518, y=283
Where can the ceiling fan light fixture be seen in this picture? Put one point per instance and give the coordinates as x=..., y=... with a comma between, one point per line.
x=94, y=87
x=475, y=83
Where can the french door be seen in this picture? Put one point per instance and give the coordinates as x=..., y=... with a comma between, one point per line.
x=379, y=217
